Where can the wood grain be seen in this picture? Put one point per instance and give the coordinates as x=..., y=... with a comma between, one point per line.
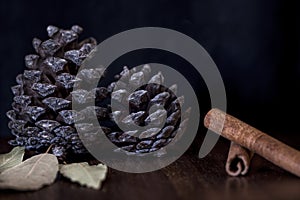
x=187, y=178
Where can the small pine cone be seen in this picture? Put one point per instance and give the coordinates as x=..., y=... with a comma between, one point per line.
x=140, y=101
x=42, y=115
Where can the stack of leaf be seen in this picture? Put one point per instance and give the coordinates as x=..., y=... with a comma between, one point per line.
x=41, y=170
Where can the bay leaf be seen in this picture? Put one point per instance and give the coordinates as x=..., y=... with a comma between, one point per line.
x=11, y=159
x=32, y=174
x=86, y=175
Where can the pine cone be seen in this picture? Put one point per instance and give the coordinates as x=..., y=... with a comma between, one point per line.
x=140, y=101
x=42, y=115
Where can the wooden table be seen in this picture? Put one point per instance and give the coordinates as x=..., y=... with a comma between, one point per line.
x=187, y=178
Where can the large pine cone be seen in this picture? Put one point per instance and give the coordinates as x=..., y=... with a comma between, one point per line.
x=42, y=115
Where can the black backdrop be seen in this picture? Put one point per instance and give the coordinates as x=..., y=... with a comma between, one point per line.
x=255, y=45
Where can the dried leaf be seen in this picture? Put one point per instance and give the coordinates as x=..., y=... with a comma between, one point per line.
x=32, y=174
x=11, y=159
x=85, y=174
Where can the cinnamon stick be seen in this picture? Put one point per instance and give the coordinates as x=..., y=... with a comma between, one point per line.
x=238, y=160
x=245, y=135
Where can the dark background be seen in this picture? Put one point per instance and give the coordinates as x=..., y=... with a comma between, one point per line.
x=254, y=43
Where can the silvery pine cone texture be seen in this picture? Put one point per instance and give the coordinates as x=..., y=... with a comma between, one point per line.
x=42, y=116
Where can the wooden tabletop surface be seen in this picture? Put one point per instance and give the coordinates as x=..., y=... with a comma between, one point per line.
x=187, y=178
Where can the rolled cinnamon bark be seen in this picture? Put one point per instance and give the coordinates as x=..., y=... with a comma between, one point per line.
x=245, y=135
x=238, y=160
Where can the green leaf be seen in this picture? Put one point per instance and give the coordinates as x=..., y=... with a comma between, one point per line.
x=12, y=158
x=85, y=174
x=32, y=174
